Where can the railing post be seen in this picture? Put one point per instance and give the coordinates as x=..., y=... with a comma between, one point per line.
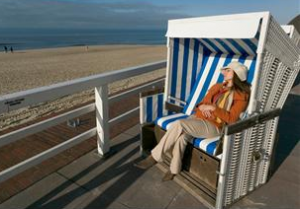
x=101, y=100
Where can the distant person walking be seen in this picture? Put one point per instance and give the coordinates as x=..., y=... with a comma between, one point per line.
x=5, y=49
x=11, y=50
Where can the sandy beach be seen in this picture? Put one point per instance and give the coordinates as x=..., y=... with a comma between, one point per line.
x=29, y=69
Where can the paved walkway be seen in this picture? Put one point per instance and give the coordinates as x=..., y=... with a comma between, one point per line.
x=92, y=182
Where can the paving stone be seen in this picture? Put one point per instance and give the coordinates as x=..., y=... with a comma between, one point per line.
x=289, y=170
x=185, y=200
x=276, y=194
x=113, y=182
x=148, y=191
x=54, y=191
x=93, y=202
x=91, y=166
x=117, y=181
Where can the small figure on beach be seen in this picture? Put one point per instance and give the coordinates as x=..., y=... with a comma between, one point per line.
x=5, y=49
x=11, y=49
x=86, y=48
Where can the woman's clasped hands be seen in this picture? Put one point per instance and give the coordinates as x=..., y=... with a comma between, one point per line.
x=207, y=110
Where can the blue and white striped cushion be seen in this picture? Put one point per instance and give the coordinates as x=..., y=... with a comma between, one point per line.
x=166, y=121
x=209, y=145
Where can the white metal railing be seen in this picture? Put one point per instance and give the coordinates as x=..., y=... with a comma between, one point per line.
x=43, y=94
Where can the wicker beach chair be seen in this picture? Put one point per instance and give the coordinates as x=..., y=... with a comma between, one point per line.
x=197, y=49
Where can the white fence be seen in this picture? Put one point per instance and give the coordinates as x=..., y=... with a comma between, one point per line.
x=44, y=94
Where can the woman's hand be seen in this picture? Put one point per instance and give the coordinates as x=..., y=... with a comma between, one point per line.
x=207, y=110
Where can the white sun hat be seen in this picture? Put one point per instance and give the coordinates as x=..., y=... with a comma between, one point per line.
x=239, y=69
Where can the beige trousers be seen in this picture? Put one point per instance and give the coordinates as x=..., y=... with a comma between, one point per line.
x=178, y=136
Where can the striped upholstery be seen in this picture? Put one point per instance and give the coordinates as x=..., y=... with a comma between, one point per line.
x=195, y=66
x=231, y=46
x=210, y=74
x=151, y=107
x=166, y=121
x=209, y=144
x=188, y=55
x=184, y=65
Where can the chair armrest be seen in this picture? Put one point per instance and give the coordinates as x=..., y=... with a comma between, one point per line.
x=173, y=108
x=246, y=124
x=251, y=121
x=151, y=106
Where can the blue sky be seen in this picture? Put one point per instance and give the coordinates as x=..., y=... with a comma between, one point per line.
x=133, y=14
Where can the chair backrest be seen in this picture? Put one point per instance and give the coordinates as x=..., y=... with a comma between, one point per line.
x=184, y=61
x=218, y=53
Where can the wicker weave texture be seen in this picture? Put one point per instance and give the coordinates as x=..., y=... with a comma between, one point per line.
x=280, y=45
x=277, y=75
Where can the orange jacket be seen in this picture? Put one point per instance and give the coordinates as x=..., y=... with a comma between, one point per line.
x=240, y=102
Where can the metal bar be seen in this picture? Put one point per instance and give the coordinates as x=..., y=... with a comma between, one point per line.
x=124, y=116
x=251, y=121
x=55, y=91
x=37, y=127
x=16, y=169
x=134, y=91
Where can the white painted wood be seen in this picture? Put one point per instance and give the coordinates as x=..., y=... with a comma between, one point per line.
x=101, y=101
x=37, y=127
x=103, y=136
x=142, y=111
x=223, y=169
x=168, y=67
x=261, y=45
x=24, y=165
x=223, y=26
x=34, y=128
x=55, y=91
x=288, y=29
x=136, y=90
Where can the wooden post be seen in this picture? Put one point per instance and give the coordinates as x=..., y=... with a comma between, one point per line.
x=101, y=100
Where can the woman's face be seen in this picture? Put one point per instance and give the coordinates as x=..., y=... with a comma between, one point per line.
x=228, y=74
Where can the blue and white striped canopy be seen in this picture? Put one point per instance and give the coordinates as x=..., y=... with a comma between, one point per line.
x=190, y=57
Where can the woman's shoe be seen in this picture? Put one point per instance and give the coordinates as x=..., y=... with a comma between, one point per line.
x=168, y=176
x=147, y=163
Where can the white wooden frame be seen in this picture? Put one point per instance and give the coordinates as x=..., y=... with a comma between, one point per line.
x=43, y=94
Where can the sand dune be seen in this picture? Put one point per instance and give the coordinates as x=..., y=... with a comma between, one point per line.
x=35, y=68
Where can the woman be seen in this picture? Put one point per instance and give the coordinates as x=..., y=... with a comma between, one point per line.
x=222, y=105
